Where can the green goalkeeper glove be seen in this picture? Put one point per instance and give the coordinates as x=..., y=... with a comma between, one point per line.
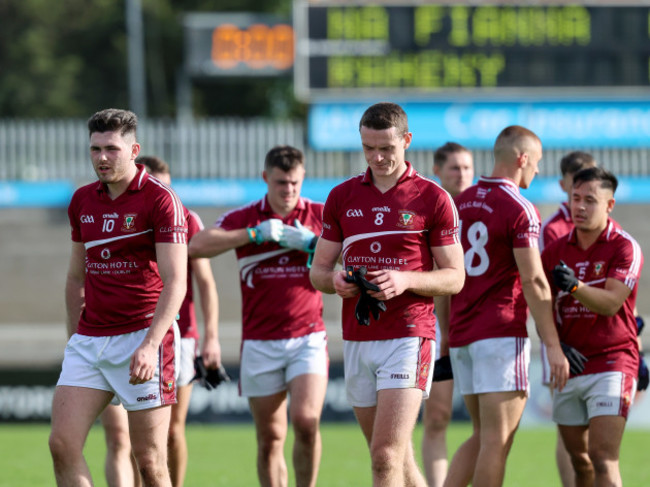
x=266, y=231
x=298, y=237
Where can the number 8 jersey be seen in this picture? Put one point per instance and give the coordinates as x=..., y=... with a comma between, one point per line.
x=494, y=219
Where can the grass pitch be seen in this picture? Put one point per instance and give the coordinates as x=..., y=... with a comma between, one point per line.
x=224, y=455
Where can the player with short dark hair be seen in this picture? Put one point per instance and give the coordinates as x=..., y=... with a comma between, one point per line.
x=488, y=340
x=390, y=225
x=284, y=348
x=126, y=281
x=114, y=418
x=595, y=271
x=453, y=165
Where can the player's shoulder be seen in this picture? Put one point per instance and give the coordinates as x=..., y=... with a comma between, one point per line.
x=244, y=212
x=622, y=238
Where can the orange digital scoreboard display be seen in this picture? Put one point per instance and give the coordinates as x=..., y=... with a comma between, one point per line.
x=428, y=47
x=238, y=44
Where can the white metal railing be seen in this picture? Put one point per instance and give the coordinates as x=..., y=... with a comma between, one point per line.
x=225, y=148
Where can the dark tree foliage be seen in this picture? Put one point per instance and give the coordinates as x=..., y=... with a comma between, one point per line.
x=68, y=59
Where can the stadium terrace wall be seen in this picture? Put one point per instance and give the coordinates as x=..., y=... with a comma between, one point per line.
x=55, y=150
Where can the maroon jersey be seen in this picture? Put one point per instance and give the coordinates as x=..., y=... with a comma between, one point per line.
x=391, y=230
x=555, y=226
x=122, y=280
x=278, y=300
x=609, y=342
x=187, y=314
x=494, y=219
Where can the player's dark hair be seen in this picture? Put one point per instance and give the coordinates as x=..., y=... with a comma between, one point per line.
x=606, y=178
x=153, y=164
x=283, y=157
x=576, y=160
x=443, y=152
x=385, y=115
x=113, y=119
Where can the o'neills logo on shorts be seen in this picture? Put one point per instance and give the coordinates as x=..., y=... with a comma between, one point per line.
x=399, y=376
x=150, y=397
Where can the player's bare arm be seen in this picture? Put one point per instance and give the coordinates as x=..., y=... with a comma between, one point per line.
x=323, y=274
x=172, y=266
x=211, y=349
x=448, y=277
x=603, y=301
x=214, y=241
x=538, y=297
x=74, y=286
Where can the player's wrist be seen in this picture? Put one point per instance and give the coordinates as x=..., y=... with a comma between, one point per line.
x=254, y=235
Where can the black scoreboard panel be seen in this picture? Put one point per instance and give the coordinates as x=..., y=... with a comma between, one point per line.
x=429, y=47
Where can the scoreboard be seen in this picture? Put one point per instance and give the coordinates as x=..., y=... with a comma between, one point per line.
x=356, y=48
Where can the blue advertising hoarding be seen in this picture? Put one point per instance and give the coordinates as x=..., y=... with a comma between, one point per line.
x=475, y=124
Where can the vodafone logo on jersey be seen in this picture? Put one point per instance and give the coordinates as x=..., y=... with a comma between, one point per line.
x=354, y=213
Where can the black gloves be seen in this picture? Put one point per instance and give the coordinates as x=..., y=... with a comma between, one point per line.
x=644, y=376
x=640, y=324
x=366, y=304
x=564, y=278
x=442, y=369
x=209, y=378
x=576, y=360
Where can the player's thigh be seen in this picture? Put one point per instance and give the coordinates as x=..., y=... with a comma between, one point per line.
x=605, y=436
x=438, y=407
x=179, y=410
x=115, y=420
x=575, y=439
x=395, y=417
x=500, y=413
x=149, y=429
x=307, y=392
x=74, y=410
x=270, y=415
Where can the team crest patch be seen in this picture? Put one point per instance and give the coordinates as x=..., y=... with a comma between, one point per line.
x=424, y=371
x=599, y=267
x=129, y=222
x=405, y=218
x=170, y=386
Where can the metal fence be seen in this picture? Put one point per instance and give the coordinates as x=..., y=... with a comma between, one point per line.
x=42, y=150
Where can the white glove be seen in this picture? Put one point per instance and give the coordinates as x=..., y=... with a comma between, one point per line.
x=298, y=237
x=267, y=231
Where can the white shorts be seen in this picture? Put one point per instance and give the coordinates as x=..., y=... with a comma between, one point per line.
x=437, y=339
x=400, y=363
x=491, y=365
x=587, y=396
x=267, y=366
x=186, y=363
x=103, y=363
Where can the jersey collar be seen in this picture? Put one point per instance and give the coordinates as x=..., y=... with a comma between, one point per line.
x=485, y=180
x=265, y=206
x=408, y=174
x=605, y=236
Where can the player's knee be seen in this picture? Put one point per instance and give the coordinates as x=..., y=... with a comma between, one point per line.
x=176, y=435
x=436, y=421
x=602, y=459
x=305, y=428
x=118, y=441
x=385, y=459
x=63, y=450
x=581, y=463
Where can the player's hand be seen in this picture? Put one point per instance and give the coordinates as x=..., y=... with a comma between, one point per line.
x=366, y=305
x=344, y=288
x=559, y=366
x=442, y=369
x=564, y=278
x=266, y=231
x=143, y=364
x=644, y=375
x=209, y=378
x=576, y=360
x=211, y=353
x=298, y=237
x=390, y=284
